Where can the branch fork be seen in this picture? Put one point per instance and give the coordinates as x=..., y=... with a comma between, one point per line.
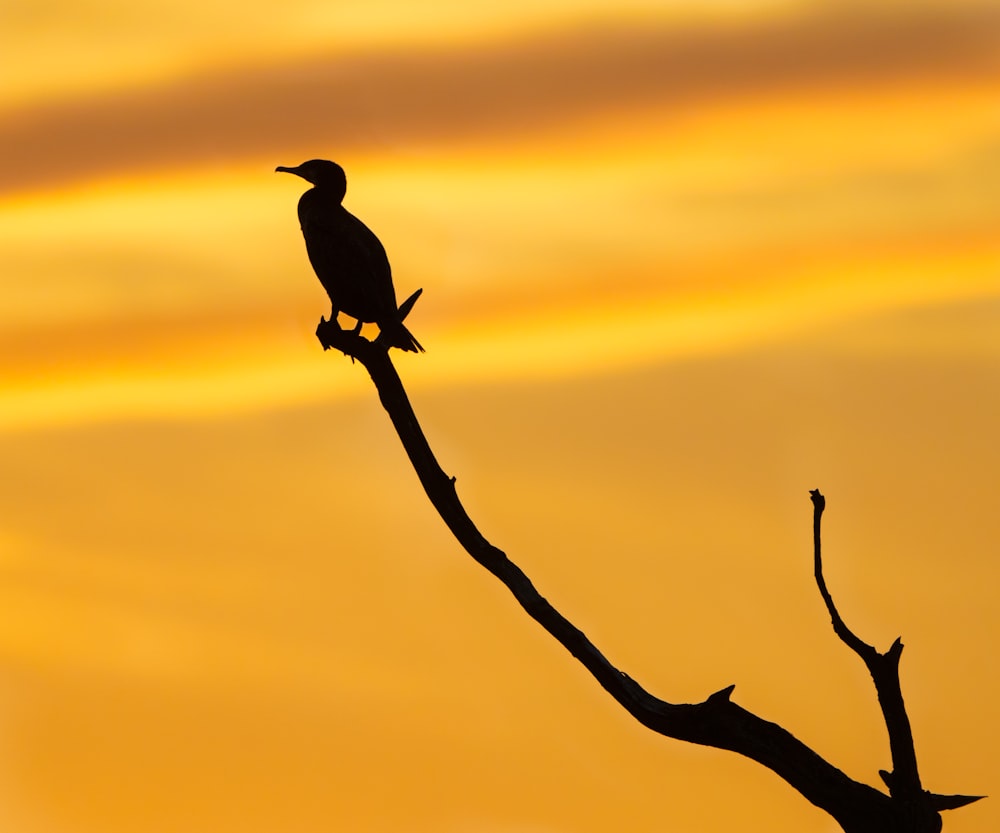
x=718, y=721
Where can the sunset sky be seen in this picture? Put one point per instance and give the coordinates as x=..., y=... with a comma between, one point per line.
x=682, y=261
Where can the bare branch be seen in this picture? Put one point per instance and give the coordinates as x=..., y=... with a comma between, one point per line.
x=717, y=721
x=904, y=780
x=862, y=649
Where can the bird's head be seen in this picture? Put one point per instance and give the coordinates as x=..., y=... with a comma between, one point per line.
x=320, y=172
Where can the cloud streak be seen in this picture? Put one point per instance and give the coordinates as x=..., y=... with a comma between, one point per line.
x=339, y=103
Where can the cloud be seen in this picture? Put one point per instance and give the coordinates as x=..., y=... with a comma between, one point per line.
x=338, y=103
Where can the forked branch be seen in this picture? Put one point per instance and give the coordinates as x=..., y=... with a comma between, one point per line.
x=904, y=780
x=717, y=721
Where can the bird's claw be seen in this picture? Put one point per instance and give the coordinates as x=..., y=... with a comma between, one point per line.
x=324, y=327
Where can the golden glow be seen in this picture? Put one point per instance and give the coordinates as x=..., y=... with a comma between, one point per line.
x=74, y=48
x=653, y=321
x=665, y=208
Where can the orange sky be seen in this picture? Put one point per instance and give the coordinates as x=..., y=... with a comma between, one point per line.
x=681, y=263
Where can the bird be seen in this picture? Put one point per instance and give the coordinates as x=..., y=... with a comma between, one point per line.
x=348, y=258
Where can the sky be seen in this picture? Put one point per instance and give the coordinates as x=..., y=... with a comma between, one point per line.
x=682, y=262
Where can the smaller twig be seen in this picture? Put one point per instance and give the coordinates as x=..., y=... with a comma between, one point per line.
x=856, y=644
x=904, y=781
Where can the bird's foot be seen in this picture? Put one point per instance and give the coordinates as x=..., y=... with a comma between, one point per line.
x=327, y=331
x=331, y=334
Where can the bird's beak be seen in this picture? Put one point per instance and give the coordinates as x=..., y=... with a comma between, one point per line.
x=283, y=169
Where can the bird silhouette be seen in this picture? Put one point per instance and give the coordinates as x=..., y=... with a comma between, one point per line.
x=348, y=258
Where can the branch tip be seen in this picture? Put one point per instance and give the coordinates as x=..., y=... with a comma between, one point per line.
x=722, y=695
x=818, y=500
x=952, y=802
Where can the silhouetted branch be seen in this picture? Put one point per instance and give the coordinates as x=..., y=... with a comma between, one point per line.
x=716, y=722
x=904, y=781
x=853, y=642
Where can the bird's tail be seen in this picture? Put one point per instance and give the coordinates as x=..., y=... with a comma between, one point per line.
x=398, y=335
x=402, y=338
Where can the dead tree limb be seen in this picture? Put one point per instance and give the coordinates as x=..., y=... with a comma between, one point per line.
x=717, y=721
x=904, y=780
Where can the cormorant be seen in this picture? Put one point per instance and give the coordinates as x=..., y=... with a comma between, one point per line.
x=348, y=258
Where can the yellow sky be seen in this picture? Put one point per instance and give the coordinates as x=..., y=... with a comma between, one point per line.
x=681, y=263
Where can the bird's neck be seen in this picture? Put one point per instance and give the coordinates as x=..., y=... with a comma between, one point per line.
x=328, y=193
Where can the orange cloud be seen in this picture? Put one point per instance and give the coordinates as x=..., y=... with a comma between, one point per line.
x=400, y=98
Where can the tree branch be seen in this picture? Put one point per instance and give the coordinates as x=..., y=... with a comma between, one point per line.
x=904, y=780
x=716, y=722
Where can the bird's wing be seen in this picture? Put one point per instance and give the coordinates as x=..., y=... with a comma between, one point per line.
x=351, y=270
x=348, y=259
x=369, y=258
